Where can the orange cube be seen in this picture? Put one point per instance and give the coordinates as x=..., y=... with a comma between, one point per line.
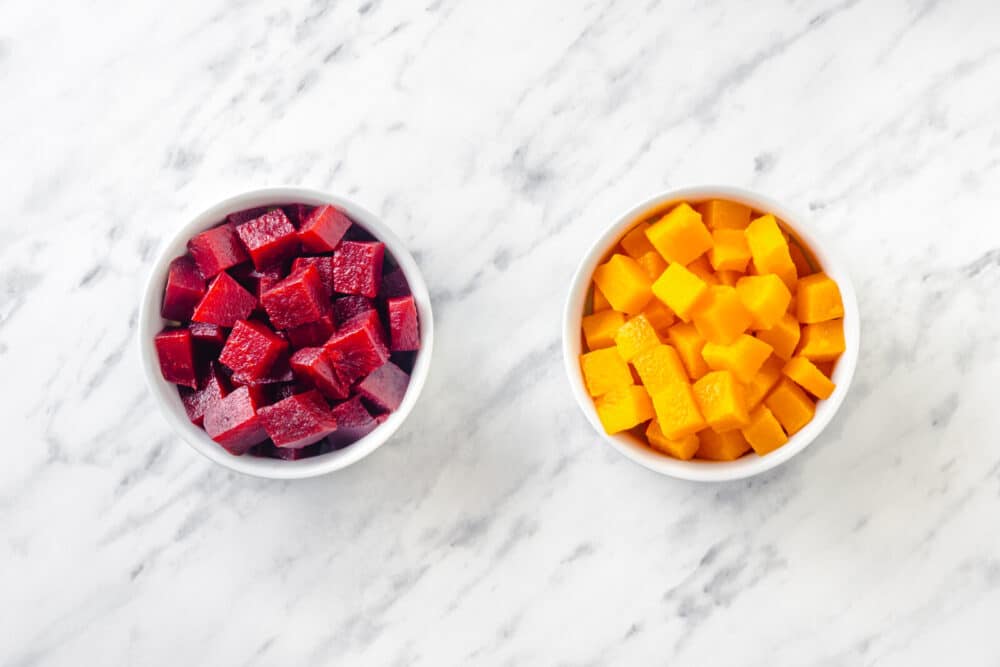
x=660, y=368
x=743, y=357
x=659, y=315
x=677, y=412
x=730, y=251
x=810, y=378
x=702, y=268
x=635, y=242
x=635, y=337
x=680, y=289
x=625, y=283
x=764, y=432
x=599, y=329
x=766, y=297
x=763, y=381
x=722, y=401
x=599, y=301
x=720, y=316
x=604, y=370
x=680, y=236
x=622, y=409
x=790, y=405
x=818, y=299
x=769, y=250
x=689, y=345
x=727, y=446
x=652, y=264
x=723, y=214
x=683, y=448
x=823, y=341
x=783, y=337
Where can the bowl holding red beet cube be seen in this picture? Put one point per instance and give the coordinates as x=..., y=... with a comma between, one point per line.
x=285, y=333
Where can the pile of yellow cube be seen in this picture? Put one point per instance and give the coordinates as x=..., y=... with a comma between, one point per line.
x=715, y=329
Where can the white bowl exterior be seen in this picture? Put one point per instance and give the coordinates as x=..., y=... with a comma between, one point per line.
x=165, y=394
x=747, y=466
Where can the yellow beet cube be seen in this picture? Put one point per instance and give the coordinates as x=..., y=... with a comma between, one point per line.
x=720, y=316
x=680, y=236
x=677, y=412
x=766, y=297
x=769, y=250
x=599, y=301
x=624, y=408
x=683, y=448
x=722, y=214
x=652, y=263
x=659, y=315
x=790, y=405
x=722, y=401
x=702, y=268
x=635, y=242
x=810, y=378
x=763, y=381
x=730, y=251
x=727, y=446
x=689, y=344
x=823, y=341
x=599, y=329
x=764, y=432
x=783, y=337
x=680, y=289
x=625, y=283
x=818, y=299
x=635, y=337
x=604, y=370
x=744, y=357
x=659, y=368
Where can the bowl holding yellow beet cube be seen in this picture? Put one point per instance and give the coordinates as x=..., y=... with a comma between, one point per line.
x=709, y=334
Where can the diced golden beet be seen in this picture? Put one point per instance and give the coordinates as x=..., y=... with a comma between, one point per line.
x=680, y=289
x=635, y=242
x=702, y=268
x=769, y=250
x=683, y=448
x=689, y=344
x=722, y=401
x=622, y=409
x=635, y=337
x=661, y=317
x=766, y=297
x=764, y=432
x=803, y=265
x=730, y=251
x=790, y=405
x=677, y=412
x=743, y=357
x=729, y=277
x=763, y=381
x=723, y=214
x=783, y=337
x=599, y=329
x=818, y=299
x=810, y=378
x=624, y=283
x=604, y=370
x=600, y=302
x=720, y=316
x=727, y=446
x=660, y=368
x=680, y=236
x=652, y=263
x=823, y=341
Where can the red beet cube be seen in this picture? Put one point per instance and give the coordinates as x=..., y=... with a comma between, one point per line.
x=217, y=249
x=207, y=336
x=353, y=423
x=175, y=349
x=358, y=347
x=385, y=386
x=311, y=366
x=252, y=349
x=322, y=230
x=268, y=450
x=394, y=285
x=185, y=288
x=296, y=300
x=245, y=215
x=404, y=328
x=347, y=307
x=271, y=238
x=312, y=334
x=298, y=420
x=225, y=302
x=357, y=268
x=280, y=373
x=197, y=402
x=325, y=267
x=297, y=213
x=233, y=422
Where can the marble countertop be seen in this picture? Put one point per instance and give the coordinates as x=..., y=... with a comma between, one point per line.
x=498, y=139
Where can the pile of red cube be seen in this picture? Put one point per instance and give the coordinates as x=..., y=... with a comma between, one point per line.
x=295, y=334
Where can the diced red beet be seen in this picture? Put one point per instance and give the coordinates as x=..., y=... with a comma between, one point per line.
x=404, y=327
x=358, y=347
x=185, y=288
x=268, y=450
x=312, y=334
x=385, y=386
x=217, y=249
x=234, y=423
x=251, y=350
x=322, y=230
x=394, y=284
x=245, y=215
x=353, y=423
x=347, y=307
x=312, y=366
x=175, y=349
x=325, y=267
x=270, y=239
x=280, y=373
x=297, y=213
x=298, y=420
x=254, y=280
x=213, y=388
x=357, y=268
x=296, y=300
x=224, y=303
x=207, y=336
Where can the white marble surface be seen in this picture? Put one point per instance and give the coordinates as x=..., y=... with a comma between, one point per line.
x=498, y=138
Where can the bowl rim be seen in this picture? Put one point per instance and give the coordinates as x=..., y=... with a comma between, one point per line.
x=747, y=466
x=165, y=394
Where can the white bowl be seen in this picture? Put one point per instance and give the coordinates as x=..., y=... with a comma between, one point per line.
x=751, y=464
x=165, y=394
